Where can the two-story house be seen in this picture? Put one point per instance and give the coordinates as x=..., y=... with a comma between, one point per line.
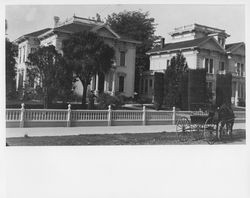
x=120, y=78
x=203, y=47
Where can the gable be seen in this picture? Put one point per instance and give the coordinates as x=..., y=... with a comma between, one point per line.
x=104, y=32
x=239, y=50
x=211, y=44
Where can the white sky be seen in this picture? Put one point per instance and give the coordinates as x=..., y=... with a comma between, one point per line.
x=24, y=19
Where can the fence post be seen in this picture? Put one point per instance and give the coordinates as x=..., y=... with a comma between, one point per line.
x=144, y=115
x=174, y=116
x=109, y=116
x=69, y=115
x=22, y=116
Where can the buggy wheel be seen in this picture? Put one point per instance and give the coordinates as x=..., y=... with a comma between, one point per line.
x=210, y=131
x=198, y=132
x=183, y=129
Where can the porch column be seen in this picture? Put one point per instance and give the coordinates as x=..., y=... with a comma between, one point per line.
x=113, y=85
x=96, y=84
x=236, y=95
x=17, y=80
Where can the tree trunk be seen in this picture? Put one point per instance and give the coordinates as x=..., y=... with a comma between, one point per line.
x=84, y=94
x=45, y=99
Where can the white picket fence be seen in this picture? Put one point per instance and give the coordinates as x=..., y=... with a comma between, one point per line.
x=67, y=117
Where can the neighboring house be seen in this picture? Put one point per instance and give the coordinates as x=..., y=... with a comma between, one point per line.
x=203, y=47
x=120, y=79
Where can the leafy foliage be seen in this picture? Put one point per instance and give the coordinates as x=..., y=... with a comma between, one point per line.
x=88, y=55
x=106, y=99
x=173, y=77
x=48, y=65
x=139, y=26
x=11, y=53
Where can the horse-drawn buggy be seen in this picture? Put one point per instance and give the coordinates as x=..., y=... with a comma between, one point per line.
x=210, y=126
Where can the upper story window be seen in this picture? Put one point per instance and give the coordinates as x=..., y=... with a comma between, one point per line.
x=222, y=66
x=23, y=54
x=122, y=58
x=240, y=69
x=209, y=65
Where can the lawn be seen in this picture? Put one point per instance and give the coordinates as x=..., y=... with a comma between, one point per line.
x=161, y=138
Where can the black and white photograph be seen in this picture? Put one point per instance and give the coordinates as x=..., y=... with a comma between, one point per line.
x=124, y=99
x=115, y=79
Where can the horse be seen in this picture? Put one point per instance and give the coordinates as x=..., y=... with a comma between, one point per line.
x=222, y=116
x=226, y=117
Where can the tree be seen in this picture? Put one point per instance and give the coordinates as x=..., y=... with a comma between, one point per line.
x=139, y=26
x=87, y=53
x=11, y=53
x=173, y=78
x=55, y=75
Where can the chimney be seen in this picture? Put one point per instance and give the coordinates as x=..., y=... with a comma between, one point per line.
x=56, y=21
x=162, y=42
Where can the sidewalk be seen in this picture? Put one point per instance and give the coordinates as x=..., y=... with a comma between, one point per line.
x=64, y=131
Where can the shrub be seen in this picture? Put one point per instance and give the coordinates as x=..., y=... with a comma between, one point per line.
x=106, y=99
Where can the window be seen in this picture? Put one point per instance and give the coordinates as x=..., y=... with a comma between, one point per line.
x=146, y=86
x=23, y=54
x=122, y=58
x=222, y=66
x=238, y=68
x=20, y=55
x=206, y=64
x=211, y=68
x=150, y=83
x=209, y=65
x=168, y=63
x=242, y=70
x=110, y=81
x=121, y=84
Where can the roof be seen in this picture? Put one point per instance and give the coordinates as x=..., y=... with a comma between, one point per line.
x=72, y=25
x=37, y=33
x=32, y=34
x=180, y=45
x=231, y=46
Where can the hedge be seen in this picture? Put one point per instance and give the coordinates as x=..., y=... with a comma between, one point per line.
x=223, y=89
x=158, y=89
x=197, y=90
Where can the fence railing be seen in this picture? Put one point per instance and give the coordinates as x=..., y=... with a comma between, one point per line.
x=25, y=116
